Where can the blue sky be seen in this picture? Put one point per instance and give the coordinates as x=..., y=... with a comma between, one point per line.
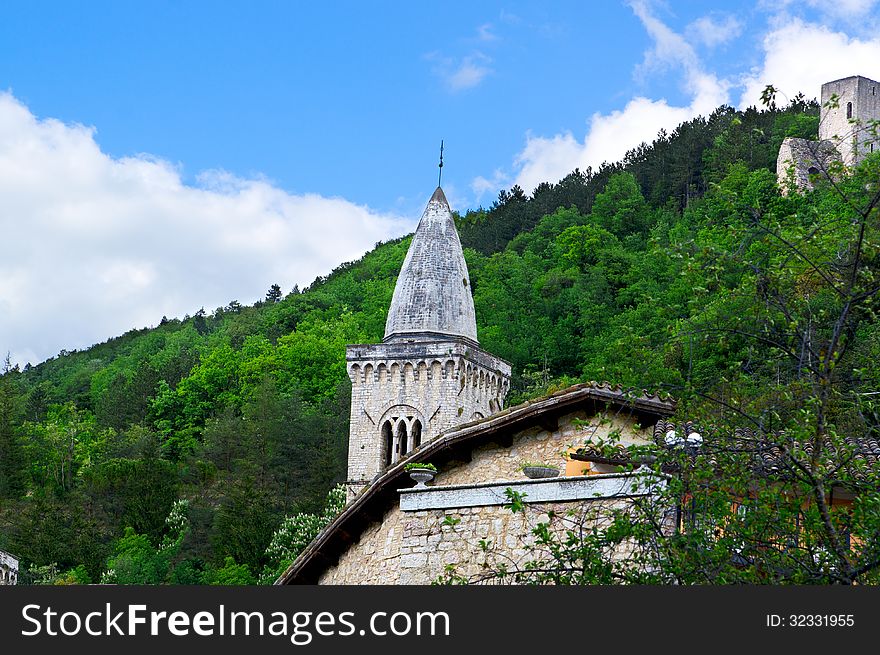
x=157, y=157
x=343, y=99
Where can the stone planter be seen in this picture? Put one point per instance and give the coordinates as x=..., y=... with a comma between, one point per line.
x=535, y=472
x=421, y=476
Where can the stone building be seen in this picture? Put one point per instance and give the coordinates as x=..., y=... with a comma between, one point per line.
x=847, y=122
x=429, y=394
x=848, y=133
x=394, y=533
x=8, y=569
x=429, y=374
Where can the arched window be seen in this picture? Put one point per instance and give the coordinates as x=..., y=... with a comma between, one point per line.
x=849, y=110
x=387, y=443
x=400, y=432
x=416, y=436
x=401, y=449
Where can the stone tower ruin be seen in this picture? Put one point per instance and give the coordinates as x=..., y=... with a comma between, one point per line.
x=848, y=123
x=848, y=132
x=429, y=374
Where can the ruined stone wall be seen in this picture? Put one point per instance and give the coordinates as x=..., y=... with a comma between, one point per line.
x=800, y=162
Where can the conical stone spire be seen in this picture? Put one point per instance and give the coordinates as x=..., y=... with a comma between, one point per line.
x=432, y=297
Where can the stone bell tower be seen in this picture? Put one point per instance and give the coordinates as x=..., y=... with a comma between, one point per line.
x=429, y=374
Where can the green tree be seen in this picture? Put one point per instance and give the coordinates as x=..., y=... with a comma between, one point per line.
x=12, y=463
x=199, y=321
x=66, y=444
x=137, y=561
x=244, y=522
x=787, y=408
x=620, y=208
x=135, y=492
x=229, y=574
x=296, y=532
x=274, y=294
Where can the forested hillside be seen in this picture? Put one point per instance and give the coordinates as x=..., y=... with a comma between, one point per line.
x=241, y=412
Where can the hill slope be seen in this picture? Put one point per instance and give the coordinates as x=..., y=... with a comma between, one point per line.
x=243, y=411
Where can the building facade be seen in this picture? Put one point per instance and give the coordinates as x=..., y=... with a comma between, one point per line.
x=460, y=524
x=8, y=569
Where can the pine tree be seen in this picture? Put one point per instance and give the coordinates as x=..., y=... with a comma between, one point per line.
x=12, y=480
x=273, y=294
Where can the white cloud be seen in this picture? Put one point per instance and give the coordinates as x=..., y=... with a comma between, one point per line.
x=610, y=136
x=712, y=32
x=799, y=57
x=469, y=72
x=480, y=186
x=841, y=8
x=485, y=33
x=461, y=74
x=546, y=159
x=846, y=9
x=857, y=17
x=95, y=246
x=670, y=48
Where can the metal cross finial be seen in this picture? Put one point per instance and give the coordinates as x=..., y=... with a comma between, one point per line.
x=440, y=176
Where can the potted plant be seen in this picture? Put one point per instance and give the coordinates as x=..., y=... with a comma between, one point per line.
x=420, y=472
x=536, y=470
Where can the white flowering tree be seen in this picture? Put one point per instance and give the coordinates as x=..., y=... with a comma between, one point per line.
x=137, y=561
x=296, y=532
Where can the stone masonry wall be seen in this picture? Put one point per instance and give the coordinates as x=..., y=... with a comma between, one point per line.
x=851, y=138
x=491, y=462
x=800, y=161
x=416, y=547
x=421, y=547
x=440, y=385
